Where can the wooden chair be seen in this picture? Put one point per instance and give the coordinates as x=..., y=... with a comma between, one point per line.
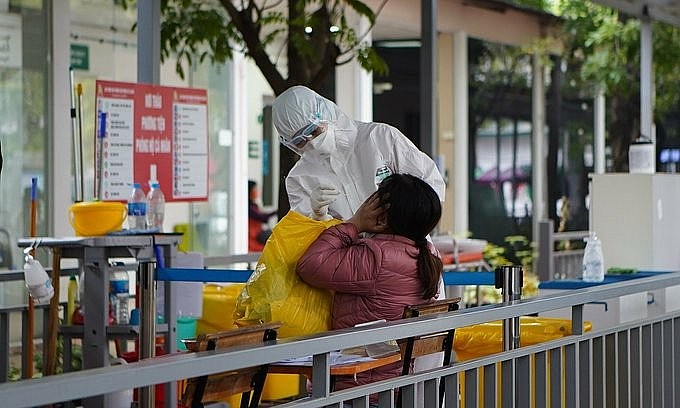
x=418, y=346
x=217, y=387
x=409, y=348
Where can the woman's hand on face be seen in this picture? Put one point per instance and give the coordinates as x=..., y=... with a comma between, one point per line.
x=370, y=217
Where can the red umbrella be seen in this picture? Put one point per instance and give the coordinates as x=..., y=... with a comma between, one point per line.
x=521, y=174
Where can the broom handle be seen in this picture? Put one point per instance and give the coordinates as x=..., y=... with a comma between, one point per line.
x=79, y=91
x=77, y=168
x=30, y=329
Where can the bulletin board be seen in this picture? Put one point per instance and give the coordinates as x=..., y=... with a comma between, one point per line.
x=150, y=132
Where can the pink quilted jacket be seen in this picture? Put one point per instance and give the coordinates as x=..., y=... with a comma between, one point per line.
x=373, y=278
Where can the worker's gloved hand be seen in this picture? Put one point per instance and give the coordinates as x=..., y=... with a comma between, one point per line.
x=321, y=197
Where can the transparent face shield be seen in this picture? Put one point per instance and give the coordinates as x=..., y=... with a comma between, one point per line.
x=307, y=133
x=304, y=135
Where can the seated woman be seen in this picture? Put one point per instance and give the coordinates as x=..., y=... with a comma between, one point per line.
x=375, y=277
x=257, y=235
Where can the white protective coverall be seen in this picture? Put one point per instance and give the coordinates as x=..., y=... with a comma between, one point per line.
x=363, y=154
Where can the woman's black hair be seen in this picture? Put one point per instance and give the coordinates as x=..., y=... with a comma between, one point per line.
x=413, y=210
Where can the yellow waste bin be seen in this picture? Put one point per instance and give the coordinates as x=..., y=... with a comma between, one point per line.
x=487, y=338
x=219, y=303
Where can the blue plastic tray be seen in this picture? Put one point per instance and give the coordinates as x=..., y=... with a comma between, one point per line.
x=578, y=283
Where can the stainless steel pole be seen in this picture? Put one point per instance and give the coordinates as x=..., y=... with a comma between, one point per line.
x=509, y=279
x=147, y=327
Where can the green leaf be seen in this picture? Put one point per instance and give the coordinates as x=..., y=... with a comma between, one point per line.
x=362, y=9
x=370, y=60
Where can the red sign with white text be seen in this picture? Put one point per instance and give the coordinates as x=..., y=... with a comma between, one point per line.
x=152, y=133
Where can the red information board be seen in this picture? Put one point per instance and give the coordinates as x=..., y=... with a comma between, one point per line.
x=149, y=132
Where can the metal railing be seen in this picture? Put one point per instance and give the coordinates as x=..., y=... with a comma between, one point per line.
x=636, y=364
x=6, y=312
x=555, y=264
x=20, y=311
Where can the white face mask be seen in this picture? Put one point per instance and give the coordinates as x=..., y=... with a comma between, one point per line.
x=325, y=142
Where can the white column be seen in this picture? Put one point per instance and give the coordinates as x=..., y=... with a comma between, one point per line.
x=538, y=166
x=459, y=178
x=599, y=132
x=353, y=84
x=238, y=214
x=445, y=120
x=646, y=79
x=60, y=144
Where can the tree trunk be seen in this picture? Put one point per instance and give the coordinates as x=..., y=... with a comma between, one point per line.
x=624, y=128
x=287, y=159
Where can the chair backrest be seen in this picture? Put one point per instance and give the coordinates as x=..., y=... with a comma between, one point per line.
x=217, y=387
x=417, y=346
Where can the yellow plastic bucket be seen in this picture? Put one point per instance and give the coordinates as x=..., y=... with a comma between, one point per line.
x=91, y=218
x=219, y=303
x=280, y=386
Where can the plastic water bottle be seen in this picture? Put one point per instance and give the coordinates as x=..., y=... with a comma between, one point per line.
x=37, y=280
x=593, y=262
x=156, y=209
x=137, y=208
x=119, y=294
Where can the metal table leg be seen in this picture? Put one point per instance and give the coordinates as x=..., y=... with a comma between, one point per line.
x=95, y=306
x=147, y=328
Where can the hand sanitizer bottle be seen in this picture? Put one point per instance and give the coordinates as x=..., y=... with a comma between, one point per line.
x=593, y=262
x=37, y=280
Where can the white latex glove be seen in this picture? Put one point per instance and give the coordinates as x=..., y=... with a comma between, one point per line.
x=321, y=197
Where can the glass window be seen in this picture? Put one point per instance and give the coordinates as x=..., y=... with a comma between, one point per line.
x=23, y=130
x=104, y=30
x=23, y=133
x=102, y=46
x=210, y=219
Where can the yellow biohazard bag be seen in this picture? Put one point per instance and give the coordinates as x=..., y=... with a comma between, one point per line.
x=487, y=338
x=274, y=292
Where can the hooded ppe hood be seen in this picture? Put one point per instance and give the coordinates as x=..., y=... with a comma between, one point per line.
x=299, y=106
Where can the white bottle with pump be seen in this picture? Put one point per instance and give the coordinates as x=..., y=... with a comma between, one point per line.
x=593, y=262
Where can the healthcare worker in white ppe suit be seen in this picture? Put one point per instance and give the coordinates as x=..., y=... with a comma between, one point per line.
x=342, y=161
